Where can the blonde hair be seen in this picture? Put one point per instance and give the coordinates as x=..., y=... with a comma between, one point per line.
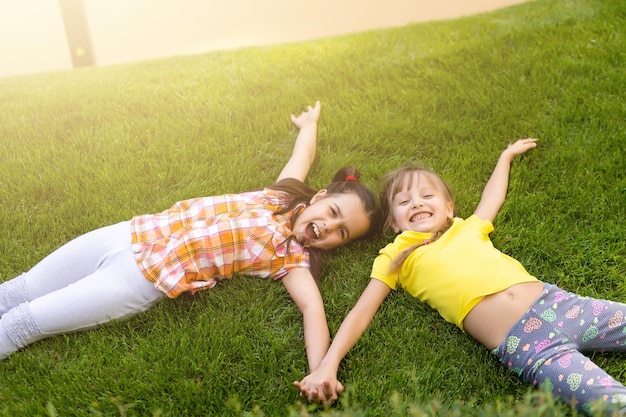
x=402, y=179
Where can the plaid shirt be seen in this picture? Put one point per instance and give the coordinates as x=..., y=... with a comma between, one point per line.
x=200, y=241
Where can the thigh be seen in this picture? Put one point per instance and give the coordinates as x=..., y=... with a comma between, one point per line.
x=76, y=259
x=596, y=325
x=544, y=348
x=571, y=376
x=115, y=290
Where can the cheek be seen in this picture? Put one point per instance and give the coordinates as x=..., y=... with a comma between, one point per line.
x=393, y=222
x=399, y=213
x=309, y=213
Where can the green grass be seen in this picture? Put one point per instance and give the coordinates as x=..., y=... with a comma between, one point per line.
x=86, y=148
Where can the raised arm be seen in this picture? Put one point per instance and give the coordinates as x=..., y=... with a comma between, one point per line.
x=304, y=291
x=495, y=191
x=304, y=149
x=321, y=384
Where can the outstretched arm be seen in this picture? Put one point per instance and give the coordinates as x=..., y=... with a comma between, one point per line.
x=495, y=191
x=304, y=149
x=304, y=291
x=321, y=384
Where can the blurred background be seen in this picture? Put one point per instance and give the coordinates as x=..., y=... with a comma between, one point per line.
x=47, y=35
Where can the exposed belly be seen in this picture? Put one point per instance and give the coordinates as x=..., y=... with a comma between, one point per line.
x=492, y=318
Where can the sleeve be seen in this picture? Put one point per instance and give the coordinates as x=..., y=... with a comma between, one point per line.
x=485, y=227
x=380, y=270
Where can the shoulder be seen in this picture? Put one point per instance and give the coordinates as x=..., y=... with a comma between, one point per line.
x=273, y=197
x=473, y=222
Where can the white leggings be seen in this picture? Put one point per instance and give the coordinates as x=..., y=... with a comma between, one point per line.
x=90, y=280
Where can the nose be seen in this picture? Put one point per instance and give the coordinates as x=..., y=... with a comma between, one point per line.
x=417, y=202
x=331, y=225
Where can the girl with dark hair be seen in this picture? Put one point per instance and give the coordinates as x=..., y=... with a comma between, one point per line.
x=121, y=270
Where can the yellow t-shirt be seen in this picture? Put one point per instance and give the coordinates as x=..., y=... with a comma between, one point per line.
x=453, y=273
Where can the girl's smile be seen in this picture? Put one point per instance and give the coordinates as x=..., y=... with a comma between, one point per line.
x=420, y=206
x=420, y=216
x=331, y=221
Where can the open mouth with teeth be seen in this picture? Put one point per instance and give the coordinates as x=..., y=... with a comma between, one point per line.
x=419, y=216
x=312, y=232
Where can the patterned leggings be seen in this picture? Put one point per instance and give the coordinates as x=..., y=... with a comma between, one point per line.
x=544, y=348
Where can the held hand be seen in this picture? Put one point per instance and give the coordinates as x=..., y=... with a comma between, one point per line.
x=319, y=389
x=519, y=147
x=308, y=117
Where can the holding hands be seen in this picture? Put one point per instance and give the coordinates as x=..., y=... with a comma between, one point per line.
x=320, y=386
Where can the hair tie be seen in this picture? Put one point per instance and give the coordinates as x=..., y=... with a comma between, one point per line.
x=351, y=178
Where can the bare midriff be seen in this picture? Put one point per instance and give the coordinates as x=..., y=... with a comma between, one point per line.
x=492, y=318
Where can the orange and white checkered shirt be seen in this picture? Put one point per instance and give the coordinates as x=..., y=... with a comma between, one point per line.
x=200, y=241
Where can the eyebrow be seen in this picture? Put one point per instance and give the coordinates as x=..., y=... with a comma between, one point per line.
x=401, y=195
x=425, y=188
x=341, y=215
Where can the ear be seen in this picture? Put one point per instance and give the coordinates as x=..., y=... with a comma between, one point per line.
x=394, y=226
x=318, y=196
x=450, y=211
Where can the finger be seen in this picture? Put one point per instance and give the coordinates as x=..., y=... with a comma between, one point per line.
x=328, y=390
x=321, y=396
x=330, y=400
x=313, y=395
x=339, y=387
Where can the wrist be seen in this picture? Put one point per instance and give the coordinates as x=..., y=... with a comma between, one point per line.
x=309, y=126
x=327, y=365
x=507, y=156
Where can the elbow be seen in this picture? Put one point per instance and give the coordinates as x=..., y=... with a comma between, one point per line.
x=314, y=312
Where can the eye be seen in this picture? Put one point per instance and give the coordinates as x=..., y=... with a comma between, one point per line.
x=333, y=212
x=342, y=233
x=428, y=196
x=403, y=203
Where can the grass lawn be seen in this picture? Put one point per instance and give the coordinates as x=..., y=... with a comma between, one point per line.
x=90, y=147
